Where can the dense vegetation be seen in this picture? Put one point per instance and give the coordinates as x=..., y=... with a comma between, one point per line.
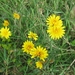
x=32, y=16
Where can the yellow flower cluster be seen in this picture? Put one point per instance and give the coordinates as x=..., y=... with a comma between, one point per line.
x=55, y=30
x=33, y=35
x=38, y=52
x=6, y=23
x=4, y=31
x=27, y=46
x=55, y=27
x=16, y=15
x=39, y=64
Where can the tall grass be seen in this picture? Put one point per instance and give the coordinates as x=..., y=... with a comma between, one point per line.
x=61, y=59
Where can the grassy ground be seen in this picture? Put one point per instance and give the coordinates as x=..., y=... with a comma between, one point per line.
x=61, y=59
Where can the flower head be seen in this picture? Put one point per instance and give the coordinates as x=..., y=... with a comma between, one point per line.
x=6, y=23
x=32, y=35
x=16, y=15
x=5, y=33
x=39, y=64
x=56, y=33
x=27, y=46
x=54, y=21
x=39, y=52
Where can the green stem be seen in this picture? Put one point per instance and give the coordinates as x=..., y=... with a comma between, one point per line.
x=6, y=73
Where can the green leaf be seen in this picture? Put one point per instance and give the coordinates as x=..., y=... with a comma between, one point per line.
x=73, y=43
x=2, y=70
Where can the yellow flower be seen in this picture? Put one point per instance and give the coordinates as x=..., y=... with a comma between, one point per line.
x=27, y=46
x=56, y=33
x=5, y=33
x=54, y=21
x=16, y=15
x=39, y=64
x=6, y=23
x=39, y=52
x=32, y=35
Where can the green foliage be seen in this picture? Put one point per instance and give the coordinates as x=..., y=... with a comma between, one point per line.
x=73, y=43
x=33, y=18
